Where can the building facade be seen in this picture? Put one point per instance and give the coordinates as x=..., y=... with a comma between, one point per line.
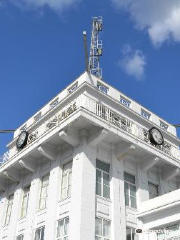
x=91, y=164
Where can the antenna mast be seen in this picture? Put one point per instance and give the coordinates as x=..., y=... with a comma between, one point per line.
x=96, y=48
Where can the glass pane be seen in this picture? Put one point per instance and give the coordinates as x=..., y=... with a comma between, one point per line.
x=69, y=191
x=129, y=178
x=172, y=230
x=70, y=178
x=60, y=228
x=98, y=176
x=98, y=227
x=128, y=233
x=66, y=227
x=42, y=203
x=37, y=234
x=106, y=229
x=42, y=234
x=106, y=191
x=45, y=180
x=63, y=193
x=98, y=238
x=133, y=190
x=102, y=166
x=64, y=181
x=161, y=235
x=133, y=202
x=126, y=200
x=126, y=188
x=98, y=188
x=106, y=178
x=67, y=166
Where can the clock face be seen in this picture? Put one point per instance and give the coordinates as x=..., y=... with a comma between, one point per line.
x=155, y=136
x=22, y=140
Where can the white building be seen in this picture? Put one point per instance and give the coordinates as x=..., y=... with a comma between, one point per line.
x=87, y=167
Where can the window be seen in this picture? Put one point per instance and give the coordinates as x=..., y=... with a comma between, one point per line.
x=25, y=199
x=169, y=232
x=37, y=117
x=54, y=103
x=73, y=88
x=125, y=102
x=172, y=231
x=163, y=125
x=130, y=234
x=102, y=179
x=20, y=237
x=130, y=190
x=145, y=114
x=44, y=192
x=102, y=229
x=63, y=229
x=39, y=234
x=66, y=180
x=153, y=190
x=102, y=88
x=161, y=234
x=8, y=210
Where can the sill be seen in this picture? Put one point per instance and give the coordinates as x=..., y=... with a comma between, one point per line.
x=22, y=218
x=64, y=200
x=5, y=226
x=41, y=210
x=131, y=209
x=104, y=199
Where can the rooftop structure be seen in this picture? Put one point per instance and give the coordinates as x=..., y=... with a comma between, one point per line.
x=91, y=164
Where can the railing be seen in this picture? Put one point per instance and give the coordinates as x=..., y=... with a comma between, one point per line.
x=4, y=158
x=102, y=111
x=127, y=125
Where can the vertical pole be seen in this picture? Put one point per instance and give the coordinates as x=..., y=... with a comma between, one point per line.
x=85, y=50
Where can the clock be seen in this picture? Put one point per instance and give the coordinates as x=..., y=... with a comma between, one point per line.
x=155, y=136
x=22, y=140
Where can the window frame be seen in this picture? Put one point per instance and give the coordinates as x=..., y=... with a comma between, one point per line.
x=42, y=186
x=102, y=172
x=26, y=192
x=164, y=125
x=125, y=102
x=132, y=231
x=8, y=206
x=99, y=85
x=129, y=193
x=73, y=88
x=145, y=114
x=64, y=237
x=157, y=186
x=43, y=227
x=102, y=237
x=66, y=172
x=20, y=237
x=54, y=103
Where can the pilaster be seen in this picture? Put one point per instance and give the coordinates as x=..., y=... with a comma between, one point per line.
x=52, y=202
x=82, y=208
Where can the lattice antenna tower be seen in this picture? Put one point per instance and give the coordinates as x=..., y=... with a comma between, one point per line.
x=96, y=48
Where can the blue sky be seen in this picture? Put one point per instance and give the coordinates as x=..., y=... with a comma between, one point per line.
x=41, y=52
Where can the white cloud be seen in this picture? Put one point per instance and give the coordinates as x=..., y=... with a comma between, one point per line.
x=133, y=62
x=161, y=18
x=56, y=5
